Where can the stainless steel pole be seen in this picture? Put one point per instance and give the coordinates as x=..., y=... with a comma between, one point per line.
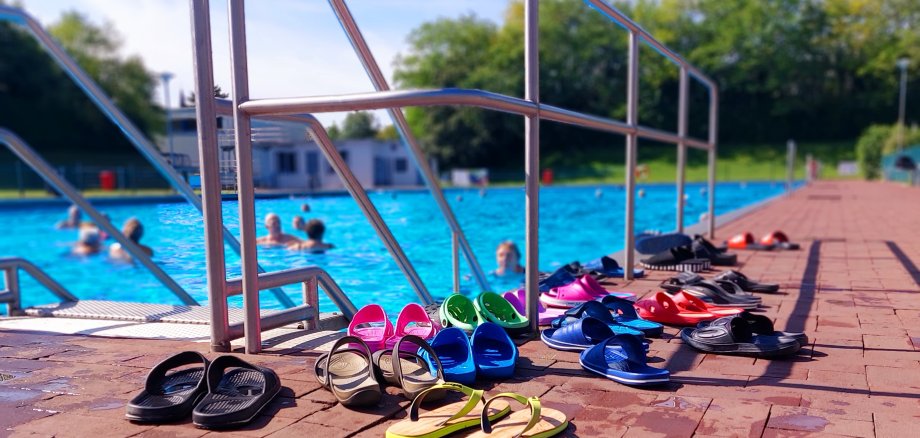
x=166, y=76
x=632, y=149
x=790, y=164
x=455, y=261
x=14, y=306
x=249, y=252
x=532, y=160
x=208, y=154
x=713, y=148
x=902, y=63
x=402, y=126
x=682, y=145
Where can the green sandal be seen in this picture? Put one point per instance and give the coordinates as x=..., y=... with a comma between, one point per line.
x=498, y=310
x=459, y=311
x=449, y=418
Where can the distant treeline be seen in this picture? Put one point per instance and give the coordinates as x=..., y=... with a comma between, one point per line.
x=812, y=70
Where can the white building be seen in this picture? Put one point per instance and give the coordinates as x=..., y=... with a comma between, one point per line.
x=285, y=157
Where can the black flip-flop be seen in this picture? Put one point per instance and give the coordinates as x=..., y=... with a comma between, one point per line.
x=733, y=336
x=237, y=392
x=745, y=283
x=170, y=397
x=677, y=282
x=761, y=325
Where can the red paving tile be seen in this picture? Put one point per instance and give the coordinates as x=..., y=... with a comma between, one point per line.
x=846, y=288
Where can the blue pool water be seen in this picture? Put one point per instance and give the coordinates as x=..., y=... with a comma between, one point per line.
x=575, y=224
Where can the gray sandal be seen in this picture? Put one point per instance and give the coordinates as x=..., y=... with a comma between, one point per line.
x=349, y=374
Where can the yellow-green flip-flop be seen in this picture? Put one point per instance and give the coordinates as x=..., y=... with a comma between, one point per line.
x=539, y=422
x=450, y=418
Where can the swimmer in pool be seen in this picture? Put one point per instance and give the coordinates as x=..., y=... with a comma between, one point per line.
x=275, y=236
x=74, y=218
x=88, y=243
x=133, y=230
x=314, y=243
x=508, y=259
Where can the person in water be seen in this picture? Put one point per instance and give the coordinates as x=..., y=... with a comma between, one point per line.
x=275, y=235
x=508, y=259
x=315, y=230
x=74, y=219
x=133, y=230
x=89, y=242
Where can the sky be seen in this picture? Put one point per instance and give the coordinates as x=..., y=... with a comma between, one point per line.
x=295, y=47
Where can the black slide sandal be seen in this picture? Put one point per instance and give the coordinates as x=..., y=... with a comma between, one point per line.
x=761, y=325
x=170, y=397
x=734, y=336
x=235, y=397
x=745, y=283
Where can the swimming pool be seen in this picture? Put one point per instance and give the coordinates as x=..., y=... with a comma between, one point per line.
x=576, y=223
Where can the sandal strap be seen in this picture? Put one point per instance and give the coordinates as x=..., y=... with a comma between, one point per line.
x=344, y=340
x=159, y=371
x=475, y=396
x=412, y=339
x=532, y=402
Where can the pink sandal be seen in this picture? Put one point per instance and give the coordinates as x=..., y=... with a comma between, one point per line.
x=519, y=299
x=412, y=320
x=372, y=326
x=595, y=288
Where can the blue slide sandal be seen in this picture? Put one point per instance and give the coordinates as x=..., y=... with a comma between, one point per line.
x=493, y=352
x=578, y=336
x=624, y=313
x=456, y=356
x=610, y=268
x=596, y=310
x=620, y=358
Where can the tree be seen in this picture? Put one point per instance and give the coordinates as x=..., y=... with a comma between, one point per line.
x=334, y=132
x=387, y=133
x=359, y=124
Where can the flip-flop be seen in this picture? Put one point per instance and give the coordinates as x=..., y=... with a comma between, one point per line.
x=599, y=291
x=579, y=335
x=234, y=397
x=596, y=310
x=412, y=320
x=458, y=311
x=449, y=418
x=680, y=258
x=621, y=358
x=518, y=300
x=746, y=241
x=733, y=336
x=745, y=283
x=453, y=349
x=609, y=267
x=498, y=310
x=170, y=397
x=662, y=309
x=536, y=422
x=651, y=243
x=372, y=326
x=413, y=382
x=493, y=352
x=690, y=303
x=349, y=373
x=761, y=325
x=625, y=313
x=780, y=240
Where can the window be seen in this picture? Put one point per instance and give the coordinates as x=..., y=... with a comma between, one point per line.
x=287, y=162
x=184, y=125
x=344, y=155
x=401, y=165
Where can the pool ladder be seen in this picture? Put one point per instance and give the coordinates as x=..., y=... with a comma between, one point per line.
x=243, y=109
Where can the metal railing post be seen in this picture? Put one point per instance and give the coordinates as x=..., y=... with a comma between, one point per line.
x=311, y=298
x=14, y=306
x=632, y=149
x=208, y=153
x=713, y=148
x=346, y=19
x=249, y=252
x=790, y=164
x=455, y=261
x=532, y=160
x=682, y=145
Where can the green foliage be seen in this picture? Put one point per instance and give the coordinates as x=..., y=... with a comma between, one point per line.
x=334, y=132
x=387, y=133
x=43, y=105
x=869, y=149
x=359, y=124
x=804, y=69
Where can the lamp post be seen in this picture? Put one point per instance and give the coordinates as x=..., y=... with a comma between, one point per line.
x=166, y=76
x=902, y=64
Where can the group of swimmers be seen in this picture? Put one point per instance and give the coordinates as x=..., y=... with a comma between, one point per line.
x=314, y=229
x=90, y=238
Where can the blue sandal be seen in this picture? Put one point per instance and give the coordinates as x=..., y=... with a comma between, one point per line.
x=620, y=358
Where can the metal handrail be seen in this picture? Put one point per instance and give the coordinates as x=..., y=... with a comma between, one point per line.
x=131, y=132
x=376, y=76
x=30, y=157
x=11, y=266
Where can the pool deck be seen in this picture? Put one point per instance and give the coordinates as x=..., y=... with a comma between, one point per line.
x=854, y=288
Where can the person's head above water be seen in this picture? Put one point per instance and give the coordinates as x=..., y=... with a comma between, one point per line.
x=273, y=223
x=315, y=229
x=133, y=229
x=89, y=237
x=508, y=258
x=74, y=214
x=298, y=223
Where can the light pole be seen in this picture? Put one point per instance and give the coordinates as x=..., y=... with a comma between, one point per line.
x=902, y=64
x=166, y=76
